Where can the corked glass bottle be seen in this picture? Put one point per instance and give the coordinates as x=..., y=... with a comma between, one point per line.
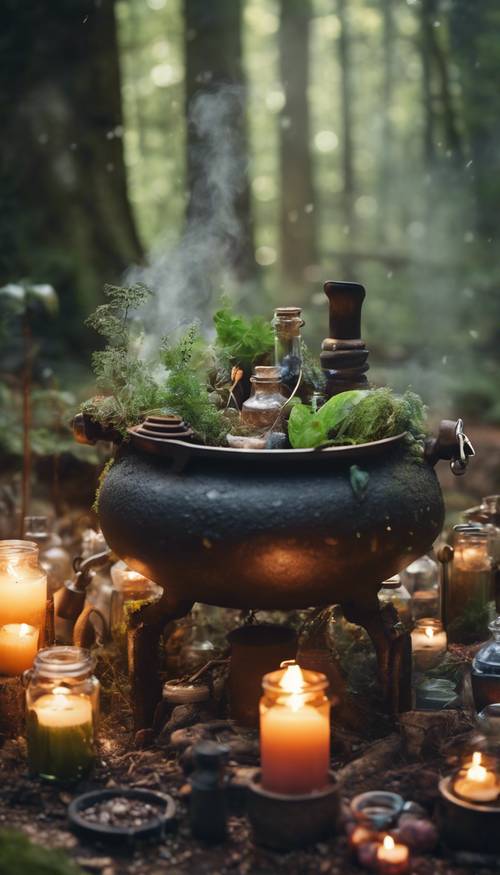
x=262, y=409
x=287, y=323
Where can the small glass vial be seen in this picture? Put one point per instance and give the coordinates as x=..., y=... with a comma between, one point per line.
x=393, y=592
x=23, y=602
x=469, y=603
x=485, y=675
x=294, y=731
x=262, y=409
x=54, y=559
x=62, y=705
x=287, y=323
x=421, y=579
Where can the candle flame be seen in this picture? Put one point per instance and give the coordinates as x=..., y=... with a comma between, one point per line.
x=293, y=682
x=60, y=702
x=429, y=631
x=477, y=772
x=24, y=630
x=293, y=679
x=389, y=843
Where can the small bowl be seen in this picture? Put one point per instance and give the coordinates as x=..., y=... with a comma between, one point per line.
x=153, y=828
x=285, y=822
x=378, y=809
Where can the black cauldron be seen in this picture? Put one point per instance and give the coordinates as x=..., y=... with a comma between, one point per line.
x=279, y=529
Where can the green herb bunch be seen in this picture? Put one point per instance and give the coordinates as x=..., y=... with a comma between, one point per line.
x=186, y=391
x=241, y=341
x=130, y=389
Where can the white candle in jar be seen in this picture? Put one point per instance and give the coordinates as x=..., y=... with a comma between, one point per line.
x=429, y=643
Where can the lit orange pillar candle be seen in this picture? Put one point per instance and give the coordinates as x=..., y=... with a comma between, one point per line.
x=294, y=731
x=18, y=646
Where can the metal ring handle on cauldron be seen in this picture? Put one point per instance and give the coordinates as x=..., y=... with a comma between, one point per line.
x=452, y=444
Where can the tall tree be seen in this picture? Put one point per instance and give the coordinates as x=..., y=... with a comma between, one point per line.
x=476, y=49
x=346, y=111
x=385, y=187
x=439, y=105
x=297, y=214
x=65, y=215
x=216, y=144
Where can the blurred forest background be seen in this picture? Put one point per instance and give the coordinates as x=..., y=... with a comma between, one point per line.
x=257, y=147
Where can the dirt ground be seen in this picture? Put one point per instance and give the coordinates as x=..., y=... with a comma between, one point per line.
x=39, y=809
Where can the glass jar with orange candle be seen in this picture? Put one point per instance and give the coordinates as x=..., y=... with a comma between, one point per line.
x=23, y=601
x=62, y=703
x=294, y=731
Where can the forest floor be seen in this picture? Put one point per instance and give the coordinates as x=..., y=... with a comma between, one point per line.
x=40, y=810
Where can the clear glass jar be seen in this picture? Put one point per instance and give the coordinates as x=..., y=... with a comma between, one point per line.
x=429, y=644
x=54, y=559
x=421, y=579
x=287, y=323
x=394, y=593
x=62, y=710
x=130, y=591
x=23, y=602
x=294, y=730
x=485, y=674
x=262, y=409
x=469, y=603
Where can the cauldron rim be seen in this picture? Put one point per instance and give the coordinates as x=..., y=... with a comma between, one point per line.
x=184, y=451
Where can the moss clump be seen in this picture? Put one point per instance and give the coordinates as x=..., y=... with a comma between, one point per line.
x=102, y=476
x=19, y=856
x=382, y=414
x=241, y=341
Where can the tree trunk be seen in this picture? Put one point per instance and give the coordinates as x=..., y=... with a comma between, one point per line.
x=476, y=49
x=385, y=186
x=436, y=71
x=346, y=110
x=297, y=213
x=216, y=145
x=65, y=218
x=426, y=37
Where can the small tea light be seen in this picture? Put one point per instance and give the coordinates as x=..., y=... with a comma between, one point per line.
x=429, y=643
x=18, y=646
x=392, y=858
x=479, y=784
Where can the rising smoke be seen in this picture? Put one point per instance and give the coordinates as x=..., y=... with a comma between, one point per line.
x=188, y=277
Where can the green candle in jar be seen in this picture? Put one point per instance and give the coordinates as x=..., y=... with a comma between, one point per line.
x=60, y=735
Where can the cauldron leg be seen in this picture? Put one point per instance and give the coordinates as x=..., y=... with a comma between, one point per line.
x=393, y=648
x=145, y=629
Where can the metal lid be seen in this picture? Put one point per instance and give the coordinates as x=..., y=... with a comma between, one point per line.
x=474, y=529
